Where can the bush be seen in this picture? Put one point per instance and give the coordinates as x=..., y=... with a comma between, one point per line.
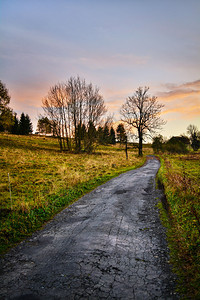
x=157, y=144
x=176, y=144
x=175, y=147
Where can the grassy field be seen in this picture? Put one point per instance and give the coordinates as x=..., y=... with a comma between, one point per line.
x=43, y=180
x=180, y=175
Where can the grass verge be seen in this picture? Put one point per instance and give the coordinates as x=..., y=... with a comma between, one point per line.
x=180, y=177
x=44, y=181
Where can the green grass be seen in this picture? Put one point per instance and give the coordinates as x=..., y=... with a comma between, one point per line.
x=180, y=175
x=45, y=180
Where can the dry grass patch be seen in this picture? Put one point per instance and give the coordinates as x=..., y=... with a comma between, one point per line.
x=44, y=180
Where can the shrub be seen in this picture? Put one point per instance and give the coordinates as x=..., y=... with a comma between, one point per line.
x=176, y=144
x=177, y=147
x=157, y=144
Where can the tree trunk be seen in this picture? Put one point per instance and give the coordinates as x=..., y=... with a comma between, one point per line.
x=126, y=149
x=140, y=144
x=60, y=143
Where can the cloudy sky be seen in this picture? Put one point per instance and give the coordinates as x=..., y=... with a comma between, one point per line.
x=117, y=45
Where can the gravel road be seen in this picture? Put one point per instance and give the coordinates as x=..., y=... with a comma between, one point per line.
x=108, y=245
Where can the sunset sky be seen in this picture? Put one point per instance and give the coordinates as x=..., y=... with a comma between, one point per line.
x=117, y=45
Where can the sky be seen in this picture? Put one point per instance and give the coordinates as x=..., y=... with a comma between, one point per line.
x=117, y=45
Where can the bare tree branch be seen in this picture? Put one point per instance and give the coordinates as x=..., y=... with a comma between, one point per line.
x=70, y=106
x=143, y=113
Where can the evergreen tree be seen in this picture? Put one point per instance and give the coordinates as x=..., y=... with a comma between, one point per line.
x=83, y=132
x=29, y=126
x=15, y=127
x=22, y=124
x=121, y=133
x=81, y=135
x=25, y=125
x=106, y=137
x=112, y=136
x=100, y=135
x=91, y=137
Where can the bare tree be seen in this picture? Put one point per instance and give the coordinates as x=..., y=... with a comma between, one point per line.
x=109, y=120
x=95, y=105
x=72, y=107
x=52, y=108
x=86, y=107
x=76, y=89
x=143, y=113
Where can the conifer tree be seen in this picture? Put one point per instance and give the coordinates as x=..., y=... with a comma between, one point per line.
x=112, y=136
x=90, y=137
x=29, y=126
x=15, y=127
x=106, y=136
x=25, y=125
x=22, y=124
x=121, y=133
x=100, y=135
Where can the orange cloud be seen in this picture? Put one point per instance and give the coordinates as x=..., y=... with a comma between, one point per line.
x=30, y=94
x=188, y=112
x=183, y=99
x=177, y=94
x=194, y=84
x=180, y=91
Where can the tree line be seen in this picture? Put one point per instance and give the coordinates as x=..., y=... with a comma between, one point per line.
x=104, y=134
x=8, y=119
x=74, y=112
x=178, y=144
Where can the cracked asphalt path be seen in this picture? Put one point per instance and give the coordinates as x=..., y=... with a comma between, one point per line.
x=108, y=245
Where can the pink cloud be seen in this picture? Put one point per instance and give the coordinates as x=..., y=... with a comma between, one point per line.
x=183, y=99
x=180, y=91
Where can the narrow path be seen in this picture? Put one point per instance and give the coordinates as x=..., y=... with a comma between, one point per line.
x=108, y=245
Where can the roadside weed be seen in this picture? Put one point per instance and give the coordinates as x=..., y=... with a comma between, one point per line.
x=180, y=176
